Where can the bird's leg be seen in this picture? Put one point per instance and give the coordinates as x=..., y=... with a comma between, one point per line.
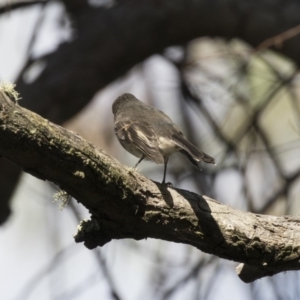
x=140, y=160
x=165, y=171
x=135, y=166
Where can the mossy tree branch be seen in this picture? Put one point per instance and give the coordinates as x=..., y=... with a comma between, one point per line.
x=125, y=204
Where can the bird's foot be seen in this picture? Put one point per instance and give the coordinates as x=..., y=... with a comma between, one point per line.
x=132, y=170
x=167, y=184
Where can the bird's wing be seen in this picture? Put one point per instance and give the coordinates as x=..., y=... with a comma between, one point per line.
x=191, y=150
x=142, y=136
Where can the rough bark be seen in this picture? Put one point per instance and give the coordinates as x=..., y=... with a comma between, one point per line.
x=124, y=204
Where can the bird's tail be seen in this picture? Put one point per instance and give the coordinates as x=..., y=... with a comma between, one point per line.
x=193, y=154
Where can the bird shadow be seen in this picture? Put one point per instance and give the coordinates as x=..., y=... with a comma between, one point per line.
x=163, y=188
x=201, y=209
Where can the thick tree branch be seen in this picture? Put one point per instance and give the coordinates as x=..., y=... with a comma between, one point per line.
x=125, y=204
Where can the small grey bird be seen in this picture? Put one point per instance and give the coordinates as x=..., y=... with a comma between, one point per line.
x=148, y=133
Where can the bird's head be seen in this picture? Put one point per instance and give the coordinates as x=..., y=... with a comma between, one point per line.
x=121, y=101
